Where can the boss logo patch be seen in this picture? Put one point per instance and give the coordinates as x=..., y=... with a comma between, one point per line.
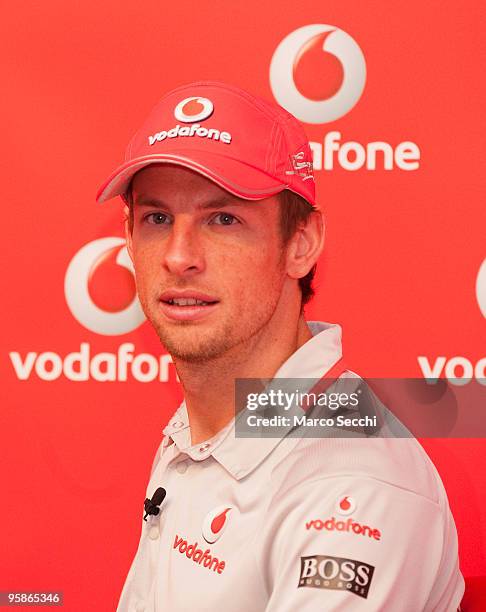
x=336, y=573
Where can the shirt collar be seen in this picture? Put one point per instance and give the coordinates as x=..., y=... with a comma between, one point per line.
x=240, y=456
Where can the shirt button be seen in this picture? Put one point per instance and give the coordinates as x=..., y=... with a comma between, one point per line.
x=204, y=447
x=177, y=424
x=154, y=532
x=181, y=467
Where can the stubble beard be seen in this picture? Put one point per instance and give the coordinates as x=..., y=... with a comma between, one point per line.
x=187, y=342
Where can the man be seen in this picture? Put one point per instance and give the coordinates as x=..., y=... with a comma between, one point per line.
x=224, y=233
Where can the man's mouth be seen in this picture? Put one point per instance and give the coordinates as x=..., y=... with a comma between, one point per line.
x=187, y=305
x=187, y=302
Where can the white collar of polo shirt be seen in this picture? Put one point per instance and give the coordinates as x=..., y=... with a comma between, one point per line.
x=240, y=456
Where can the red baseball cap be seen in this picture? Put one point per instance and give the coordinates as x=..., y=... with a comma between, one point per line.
x=248, y=146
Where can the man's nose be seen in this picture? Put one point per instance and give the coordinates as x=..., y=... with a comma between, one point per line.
x=184, y=250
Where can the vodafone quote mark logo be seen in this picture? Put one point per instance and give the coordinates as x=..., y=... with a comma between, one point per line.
x=346, y=505
x=481, y=288
x=459, y=370
x=293, y=80
x=91, y=293
x=193, y=109
x=214, y=524
x=100, y=292
x=318, y=73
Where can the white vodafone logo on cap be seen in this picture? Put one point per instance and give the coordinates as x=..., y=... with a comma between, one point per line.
x=193, y=109
x=77, y=291
x=342, y=51
x=481, y=288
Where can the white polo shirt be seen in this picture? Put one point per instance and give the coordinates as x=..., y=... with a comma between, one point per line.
x=299, y=524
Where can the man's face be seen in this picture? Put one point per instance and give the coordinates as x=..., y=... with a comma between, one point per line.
x=192, y=240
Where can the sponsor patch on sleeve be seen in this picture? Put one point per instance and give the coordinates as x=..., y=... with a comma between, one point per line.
x=336, y=573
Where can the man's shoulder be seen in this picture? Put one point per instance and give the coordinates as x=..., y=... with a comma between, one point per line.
x=397, y=462
x=390, y=456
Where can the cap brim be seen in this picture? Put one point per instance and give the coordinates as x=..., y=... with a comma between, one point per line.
x=237, y=177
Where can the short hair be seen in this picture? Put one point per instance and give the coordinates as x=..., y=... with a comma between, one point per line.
x=294, y=212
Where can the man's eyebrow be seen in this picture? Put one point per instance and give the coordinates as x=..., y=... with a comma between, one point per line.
x=146, y=201
x=224, y=200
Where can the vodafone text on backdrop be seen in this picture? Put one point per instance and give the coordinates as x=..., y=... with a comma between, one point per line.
x=104, y=257
x=294, y=72
x=459, y=370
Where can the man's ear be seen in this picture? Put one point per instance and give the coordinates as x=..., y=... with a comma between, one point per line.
x=128, y=233
x=305, y=246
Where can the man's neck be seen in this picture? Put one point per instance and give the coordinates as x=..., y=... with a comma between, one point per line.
x=209, y=387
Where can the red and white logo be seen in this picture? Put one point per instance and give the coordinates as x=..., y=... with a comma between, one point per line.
x=100, y=288
x=459, y=369
x=215, y=523
x=193, y=109
x=318, y=73
x=197, y=555
x=348, y=526
x=481, y=288
x=346, y=505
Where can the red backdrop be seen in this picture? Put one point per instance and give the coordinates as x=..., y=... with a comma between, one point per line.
x=400, y=270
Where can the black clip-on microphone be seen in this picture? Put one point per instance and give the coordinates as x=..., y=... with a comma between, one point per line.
x=152, y=505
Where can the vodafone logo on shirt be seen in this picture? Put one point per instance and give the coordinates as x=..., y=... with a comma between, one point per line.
x=215, y=523
x=201, y=557
x=212, y=528
x=318, y=73
x=347, y=526
x=346, y=505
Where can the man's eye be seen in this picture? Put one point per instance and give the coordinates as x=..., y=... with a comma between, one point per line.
x=224, y=219
x=156, y=218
